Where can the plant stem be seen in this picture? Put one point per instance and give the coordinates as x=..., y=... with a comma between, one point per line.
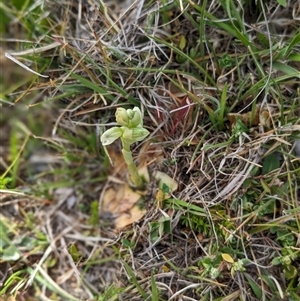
x=136, y=179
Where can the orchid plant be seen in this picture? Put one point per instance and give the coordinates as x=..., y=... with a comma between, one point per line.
x=130, y=131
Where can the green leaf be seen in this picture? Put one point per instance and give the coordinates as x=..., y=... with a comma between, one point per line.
x=165, y=188
x=154, y=231
x=154, y=289
x=165, y=226
x=130, y=136
x=126, y=243
x=10, y=253
x=109, y=136
x=282, y=2
x=276, y=261
x=290, y=272
x=94, y=214
x=265, y=186
x=182, y=42
x=288, y=70
x=4, y=182
x=269, y=282
x=188, y=207
x=223, y=106
x=74, y=252
x=255, y=288
x=91, y=85
x=134, y=280
x=295, y=57
x=270, y=163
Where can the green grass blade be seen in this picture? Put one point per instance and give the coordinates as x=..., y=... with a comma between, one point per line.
x=154, y=290
x=91, y=85
x=294, y=42
x=134, y=280
x=254, y=286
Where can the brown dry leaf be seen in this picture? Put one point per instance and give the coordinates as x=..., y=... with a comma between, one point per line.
x=122, y=203
x=120, y=200
x=261, y=116
x=128, y=218
x=109, y=201
x=264, y=118
x=245, y=118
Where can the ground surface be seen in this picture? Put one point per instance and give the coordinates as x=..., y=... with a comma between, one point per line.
x=218, y=216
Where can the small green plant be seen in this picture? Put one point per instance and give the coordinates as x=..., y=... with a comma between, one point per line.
x=94, y=214
x=226, y=61
x=199, y=224
x=160, y=227
x=130, y=131
x=210, y=266
x=287, y=258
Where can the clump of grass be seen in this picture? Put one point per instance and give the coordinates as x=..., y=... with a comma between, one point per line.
x=218, y=83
